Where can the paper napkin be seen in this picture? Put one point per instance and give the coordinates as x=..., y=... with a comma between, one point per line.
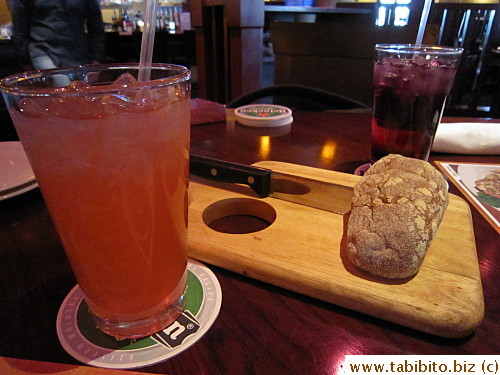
x=468, y=138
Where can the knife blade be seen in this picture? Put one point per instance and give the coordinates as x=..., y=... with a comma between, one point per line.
x=309, y=192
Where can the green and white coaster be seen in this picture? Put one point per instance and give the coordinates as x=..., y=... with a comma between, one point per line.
x=81, y=338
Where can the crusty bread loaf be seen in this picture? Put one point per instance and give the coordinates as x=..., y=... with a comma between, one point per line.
x=396, y=209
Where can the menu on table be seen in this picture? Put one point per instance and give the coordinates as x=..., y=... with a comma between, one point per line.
x=480, y=183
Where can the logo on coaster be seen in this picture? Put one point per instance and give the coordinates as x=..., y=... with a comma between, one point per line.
x=81, y=338
x=263, y=110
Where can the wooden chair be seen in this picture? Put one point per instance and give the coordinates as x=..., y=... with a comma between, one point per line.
x=475, y=28
x=336, y=57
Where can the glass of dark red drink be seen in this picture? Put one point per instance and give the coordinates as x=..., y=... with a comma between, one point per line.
x=411, y=83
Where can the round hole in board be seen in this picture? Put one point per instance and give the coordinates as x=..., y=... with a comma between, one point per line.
x=239, y=215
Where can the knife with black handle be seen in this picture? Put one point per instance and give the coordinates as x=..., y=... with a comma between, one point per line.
x=326, y=196
x=259, y=179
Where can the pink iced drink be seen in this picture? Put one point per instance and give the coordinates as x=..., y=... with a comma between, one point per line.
x=113, y=170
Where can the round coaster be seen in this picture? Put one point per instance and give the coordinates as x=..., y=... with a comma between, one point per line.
x=86, y=343
x=263, y=115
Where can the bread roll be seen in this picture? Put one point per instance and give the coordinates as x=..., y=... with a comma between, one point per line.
x=396, y=210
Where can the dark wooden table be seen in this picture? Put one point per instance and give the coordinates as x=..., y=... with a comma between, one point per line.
x=261, y=329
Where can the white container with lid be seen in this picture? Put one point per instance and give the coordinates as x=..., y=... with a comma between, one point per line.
x=263, y=115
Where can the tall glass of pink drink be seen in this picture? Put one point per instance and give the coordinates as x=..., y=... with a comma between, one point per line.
x=111, y=156
x=411, y=83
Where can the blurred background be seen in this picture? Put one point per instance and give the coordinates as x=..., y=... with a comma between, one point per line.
x=229, y=44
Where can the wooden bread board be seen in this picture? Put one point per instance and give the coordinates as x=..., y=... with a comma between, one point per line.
x=303, y=250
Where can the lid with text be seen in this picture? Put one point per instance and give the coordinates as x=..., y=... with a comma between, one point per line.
x=263, y=115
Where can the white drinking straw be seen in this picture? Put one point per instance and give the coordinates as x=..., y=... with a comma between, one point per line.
x=423, y=21
x=147, y=42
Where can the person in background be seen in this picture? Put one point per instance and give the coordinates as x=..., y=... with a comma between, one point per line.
x=55, y=33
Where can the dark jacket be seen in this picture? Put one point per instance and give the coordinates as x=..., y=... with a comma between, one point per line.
x=71, y=32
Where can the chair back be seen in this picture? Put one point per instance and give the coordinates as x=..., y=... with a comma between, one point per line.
x=299, y=97
x=336, y=57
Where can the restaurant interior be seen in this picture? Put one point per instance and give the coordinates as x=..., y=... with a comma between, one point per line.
x=278, y=291
x=235, y=47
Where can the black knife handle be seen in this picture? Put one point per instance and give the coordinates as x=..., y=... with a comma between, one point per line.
x=259, y=179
